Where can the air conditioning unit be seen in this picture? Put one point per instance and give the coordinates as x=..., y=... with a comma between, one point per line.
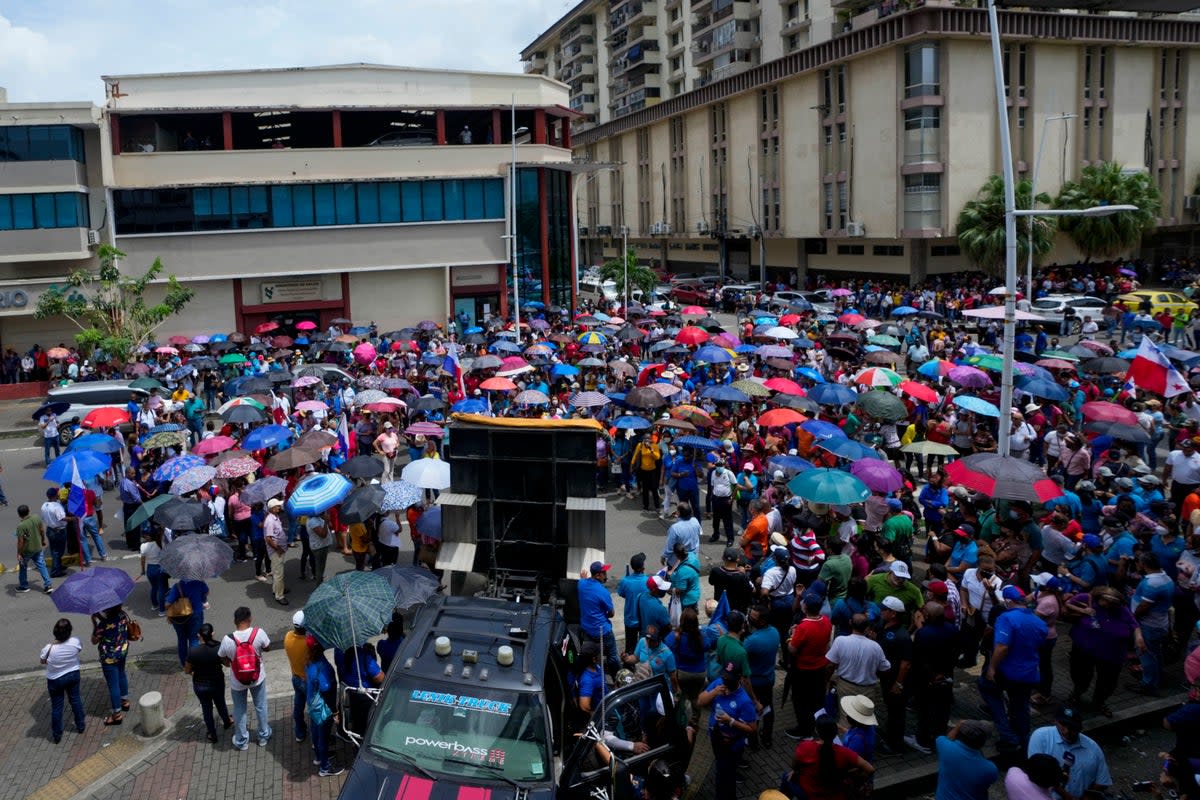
x=757, y=40
x=583, y=230
x=1191, y=202
x=856, y=229
x=93, y=238
x=654, y=229
x=604, y=230
x=702, y=228
x=665, y=228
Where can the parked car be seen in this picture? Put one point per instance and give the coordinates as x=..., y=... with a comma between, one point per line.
x=1160, y=301
x=692, y=294
x=1052, y=308
x=86, y=396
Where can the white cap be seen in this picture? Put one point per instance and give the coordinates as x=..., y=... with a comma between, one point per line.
x=298, y=619
x=900, y=570
x=894, y=603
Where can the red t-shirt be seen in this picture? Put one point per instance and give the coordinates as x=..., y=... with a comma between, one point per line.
x=810, y=639
x=808, y=767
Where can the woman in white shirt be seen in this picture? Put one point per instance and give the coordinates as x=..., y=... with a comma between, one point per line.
x=61, y=659
x=389, y=539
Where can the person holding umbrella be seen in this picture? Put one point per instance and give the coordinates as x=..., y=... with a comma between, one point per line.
x=110, y=633
x=61, y=660
x=277, y=544
x=186, y=602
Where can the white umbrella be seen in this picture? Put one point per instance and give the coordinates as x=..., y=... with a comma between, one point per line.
x=779, y=332
x=428, y=473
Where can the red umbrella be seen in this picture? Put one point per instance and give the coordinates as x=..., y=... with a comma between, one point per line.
x=920, y=391
x=1103, y=411
x=306, y=326
x=777, y=417
x=851, y=319
x=106, y=417
x=179, y=340
x=692, y=335
x=696, y=310
x=1003, y=478
x=385, y=406
x=789, y=319
x=498, y=385
x=216, y=444
x=282, y=341
x=403, y=345
x=784, y=385
x=267, y=327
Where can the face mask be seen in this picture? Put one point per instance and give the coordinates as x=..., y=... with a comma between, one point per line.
x=672, y=452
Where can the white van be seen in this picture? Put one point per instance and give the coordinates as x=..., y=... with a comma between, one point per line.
x=600, y=292
x=85, y=397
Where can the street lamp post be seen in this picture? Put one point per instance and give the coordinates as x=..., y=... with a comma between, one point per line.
x=1037, y=163
x=625, y=262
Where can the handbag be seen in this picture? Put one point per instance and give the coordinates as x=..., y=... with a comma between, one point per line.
x=318, y=709
x=135, y=631
x=180, y=611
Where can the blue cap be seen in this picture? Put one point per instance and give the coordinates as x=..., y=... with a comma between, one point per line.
x=894, y=504
x=1012, y=593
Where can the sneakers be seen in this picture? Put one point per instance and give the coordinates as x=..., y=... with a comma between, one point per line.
x=263, y=742
x=243, y=747
x=331, y=771
x=48, y=590
x=794, y=733
x=22, y=589
x=262, y=578
x=912, y=742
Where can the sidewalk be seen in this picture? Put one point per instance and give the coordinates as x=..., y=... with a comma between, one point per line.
x=16, y=417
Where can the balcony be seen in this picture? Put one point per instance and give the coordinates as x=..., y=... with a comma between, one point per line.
x=796, y=24
x=44, y=244
x=584, y=47
x=583, y=29
x=731, y=69
x=699, y=6
x=712, y=46
x=644, y=33
x=584, y=85
x=536, y=64
x=584, y=104
x=851, y=5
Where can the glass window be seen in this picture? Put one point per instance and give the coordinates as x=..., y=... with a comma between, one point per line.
x=66, y=210
x=389, y=202
x=923, y=201
x=220, y=201
x=410, y=192
x=239, y=199
x=343, y=196
x=281, y=206
x=202, y=202
x=493, y=199
x=431, y=201
x=302, y=205
x=922, y=136
x=6, y=222
x=921, y=70
x=22, y=212
x=323, y=203
x=452, y=196
x=368, y=203
x=41, y=143
x=473, y=207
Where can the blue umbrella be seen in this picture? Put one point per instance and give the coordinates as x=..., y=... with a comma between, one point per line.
x=830, y=486
x=179, y=373
x=266, y=436
x=660, y=346
x=564, y=370
x=86, y=463
x=904, y=311
x=698, y=442
x=504, y=346
x=800, y=304
x=473, y=329
x=847, y=448
x=742, y=349
x=172, y=468
x=166, y=427
x=218, y=337
x=791, y=465
x=300, y=340
x=1040, y=387
x=99, y=442
x=55, y=407
x=822, y=429
x=930, y=369
x=632, y=422
x=430, y=523
x=470, y=406
x=832, y=394
x=766, y=319
x=976, y=405
x=811, y=374
x=93, y=591
x=803, y=343
x=725, y=394
x=711, y=354
x=318, y=493
x=825, y=319
x=359, y=331
x=1128, y=354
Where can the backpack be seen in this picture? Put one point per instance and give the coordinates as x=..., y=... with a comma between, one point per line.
x=246, y=664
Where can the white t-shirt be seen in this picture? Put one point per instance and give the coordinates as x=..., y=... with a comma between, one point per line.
x=151, y=552
x=315, y=540
x=389, y=532
x=53, y=515
x=61, y=658
x=1183, y=469
x=858, y=659
x=229, y=650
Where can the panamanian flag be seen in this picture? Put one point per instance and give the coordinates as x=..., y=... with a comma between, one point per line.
x=1150, y=371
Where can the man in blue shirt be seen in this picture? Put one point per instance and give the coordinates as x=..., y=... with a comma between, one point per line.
x=762, y=651
x=629, y=589
x=732, y=721
x=687, y=481
x=1121, y=548
x=1079, y=754
x=963, y=772
x=1012, y=668
x=685, y=531
x=1151, y=605
x=596, y=611
x=649, y=608
x=685, y=577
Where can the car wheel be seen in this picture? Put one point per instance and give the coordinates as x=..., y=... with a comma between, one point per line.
x=65, y=432
x=1076, y=328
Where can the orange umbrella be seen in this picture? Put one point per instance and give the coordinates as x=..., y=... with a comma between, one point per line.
x=498, y=385
x=58, y=352
x=693, y=414
x=106, y=417
x=778, y=417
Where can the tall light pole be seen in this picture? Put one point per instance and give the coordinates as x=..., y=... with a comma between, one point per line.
x=1037, y=163
x=625, y=261
x=516, y=258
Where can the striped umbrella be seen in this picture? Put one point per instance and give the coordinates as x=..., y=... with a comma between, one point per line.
x=318, y=493
x=192, y=479
x=425, y=429
x=369, y=396
x=752, y=388
x=172, y=468
x=878, y=376
x=239, y=401
x=589, y=400
x=592, y=337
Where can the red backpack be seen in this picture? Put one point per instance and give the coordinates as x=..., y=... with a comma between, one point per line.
x=246, y=664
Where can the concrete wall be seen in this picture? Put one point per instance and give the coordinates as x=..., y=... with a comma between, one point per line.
x=398, y=298
x=42, y=176
x=22, y=333
x=875, y=188
x=801, y=132
x=210, y=311
x=43, y=244
x=1132, y=88
x=969, y=125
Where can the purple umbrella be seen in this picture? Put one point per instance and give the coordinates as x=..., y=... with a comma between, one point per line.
x=427, y=325
x=539, y=325
x=92, y=591
x=879, y=476
x=969, y=377
x=1131, y=273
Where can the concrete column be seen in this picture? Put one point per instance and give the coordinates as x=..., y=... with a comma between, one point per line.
x=918, y=260
x=150, y=706
x=801, y=263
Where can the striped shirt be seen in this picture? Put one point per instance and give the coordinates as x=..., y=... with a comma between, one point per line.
x=806, y=551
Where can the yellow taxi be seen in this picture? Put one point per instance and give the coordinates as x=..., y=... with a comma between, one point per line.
x=1160, y=301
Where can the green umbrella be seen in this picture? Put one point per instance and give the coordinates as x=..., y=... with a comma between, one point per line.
x=165, y=439
x=831, y=486
x=1063, y=354
x=882, y=405
x=146, y=383
x=146, y=510
x=987, y=361
x=349, y=609
x=884, y=341
x=232, y=358
x=928, y=448
x=752, y=388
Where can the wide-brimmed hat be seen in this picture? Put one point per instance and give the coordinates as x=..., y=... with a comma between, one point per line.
x=859, y=708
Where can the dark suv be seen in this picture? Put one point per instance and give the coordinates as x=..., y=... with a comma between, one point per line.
x=474, y=720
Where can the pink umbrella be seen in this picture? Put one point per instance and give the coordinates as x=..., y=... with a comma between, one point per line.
x=1096, y=347
x=306, y=380
x=168, y=351
x=726, y=340
x=217, y=444
x=306, y=326
x=386, y=405
x=841, y=293
x=179, y=340
x=311, y=405
x=425, y=429
x=784, y=386
x=237, y=467
x=364, y=353
x=666, y=389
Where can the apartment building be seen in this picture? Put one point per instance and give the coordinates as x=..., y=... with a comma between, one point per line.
x=362, y=191
x=843, y=137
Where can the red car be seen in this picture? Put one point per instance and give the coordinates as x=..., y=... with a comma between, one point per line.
x=691, y=294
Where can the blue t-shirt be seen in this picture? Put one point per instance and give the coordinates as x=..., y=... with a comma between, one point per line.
x=352, y=663
x=1092, y=569
x=686, y=579
x=861, y=739
x=687, y=657
x=1023, y=632
x=1168, y=553
x=387, y=649
x=630, y=588
x=963, y=772
x=649, y=610
x=762, y=650
x=736, y=704
x=194, y=591
x=966, y=551
x=591, y=684
x=1122, y=545
x=660, y=659
x=595, y=608
x=1159, y=590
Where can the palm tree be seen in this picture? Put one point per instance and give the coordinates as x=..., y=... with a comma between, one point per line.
x=981, y=226
x=1106, y=184
x=640, y=276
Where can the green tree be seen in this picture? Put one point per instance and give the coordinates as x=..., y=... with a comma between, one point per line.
x=981, y=226
x=110, y=308
x=1105, y=184
x=640, y=276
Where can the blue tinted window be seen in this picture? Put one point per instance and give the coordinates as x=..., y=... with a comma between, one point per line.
x=202, y=202
x=410, y=191
x=220, y=201
x=41, y=143
x=258, y=199
x=323, y=201
x=389, y=202
x=344, y=199
x=239, y=200
x=302, y=205
x=431, y=201
x=43, y=210
x=281, y=206
x=494, y=199
x=22, y=207
x=473, y=207
x=452, y=197
x=66, y=211
x=368, y=203
x=6, y=222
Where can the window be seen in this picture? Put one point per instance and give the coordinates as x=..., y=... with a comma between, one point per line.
x=890, y=250
x=41, y=143
x=678, y=175
x=944, y=250
x=829, y=206
x=851, y=249
x=922, y=70
x=719, y=165
x=20, y=212
x=769, y=169
x=840, y=73
x=922, y=135
x=843, y=204
x=219, y=208
x=922, y=201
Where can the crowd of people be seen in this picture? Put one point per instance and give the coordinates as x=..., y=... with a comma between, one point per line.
x=860, y=613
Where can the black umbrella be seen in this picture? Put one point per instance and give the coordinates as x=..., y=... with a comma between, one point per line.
x=280, y=376
x=221, y=347
x=362, y=467
x=628, y=334
x=1120, y=431
x=361, y=503
x=263, y=490
x=183, y=515
x=1107, y=365
x=243, y=414
x=53, y=407
x=414, y=585
x=429, y=403
x=711, y=324
x=336, y=347
x=203, y=362
x=196, y=558
x=256, y=386
x=474, y=338
x=644, y=397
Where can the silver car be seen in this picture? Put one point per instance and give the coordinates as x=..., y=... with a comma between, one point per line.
x=1052, y=308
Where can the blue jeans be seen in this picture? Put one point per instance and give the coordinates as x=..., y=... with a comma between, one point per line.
x=48, y=443
x=241, y=736
x=60, y=690
x=91, y=530
x=58, y=548
x=38, y=559
x=158, y=581
x=1152, y=658
x=210, y=696
x=118, y=683
x=187, y=634
x=321, y=736
x=299, y=705
x=1012, y=718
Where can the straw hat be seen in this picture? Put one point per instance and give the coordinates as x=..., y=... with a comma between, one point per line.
x=859, y=708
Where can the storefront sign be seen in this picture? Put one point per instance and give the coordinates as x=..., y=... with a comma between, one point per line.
x=14, y=298
x=294, y=291
x=463, y=277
